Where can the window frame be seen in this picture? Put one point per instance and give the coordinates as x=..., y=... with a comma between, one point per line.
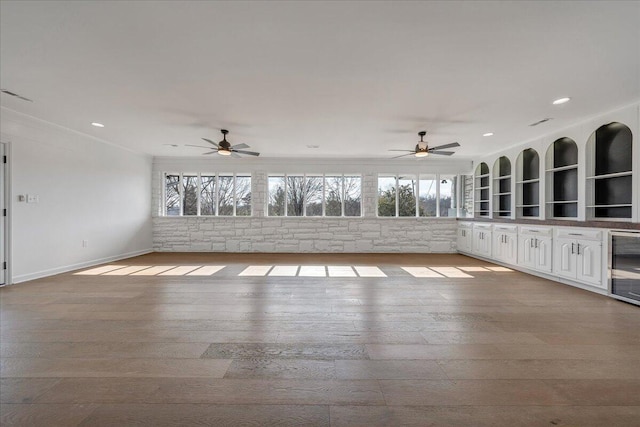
x=437, y=176
x=304, y=176
x=216, y=189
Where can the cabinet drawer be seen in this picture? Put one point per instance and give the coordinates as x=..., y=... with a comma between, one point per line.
x=506, y=228
x=536, y=231
x=579, y=233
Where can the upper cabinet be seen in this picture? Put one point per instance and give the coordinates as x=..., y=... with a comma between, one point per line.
x=562, y=179
x=609, y=188
x=502, y=188
x=528, y=184
x=481, y=186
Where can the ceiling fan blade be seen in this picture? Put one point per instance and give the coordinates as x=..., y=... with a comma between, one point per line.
x=403, y=155
x=251, y=153
x=210, y=152
x=211, y=142
x=442, y=153
x=236, y=155
x=439, y=147
x=199, y=146
x=240, y=146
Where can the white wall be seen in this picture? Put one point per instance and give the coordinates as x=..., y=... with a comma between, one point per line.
x=87, y=190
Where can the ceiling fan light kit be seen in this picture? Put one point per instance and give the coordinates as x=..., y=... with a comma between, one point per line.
x=224, y=148
x=422, y=148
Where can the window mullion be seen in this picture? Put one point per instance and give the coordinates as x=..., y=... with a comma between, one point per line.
x=215, y=193
x=324, y=189
x=417, y=195
x=198, y=193
x=286, y=194
x=233, y=188
x=437, y=195
x=397, y=201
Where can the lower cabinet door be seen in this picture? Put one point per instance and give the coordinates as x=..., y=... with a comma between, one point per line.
x=543, y=256
x=565, y=258
x=510, y=248
x=526, y=252
x=589, y=265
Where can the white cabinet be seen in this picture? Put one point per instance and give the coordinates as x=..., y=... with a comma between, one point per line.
x=505, y=243
x=482, y=240
x=465, y=237
x=578, y=255
x=534, y=248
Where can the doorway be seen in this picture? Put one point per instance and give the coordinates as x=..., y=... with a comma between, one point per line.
x=4, y=219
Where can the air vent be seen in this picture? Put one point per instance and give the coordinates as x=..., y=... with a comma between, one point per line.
x=539, y=122
x=8, y=92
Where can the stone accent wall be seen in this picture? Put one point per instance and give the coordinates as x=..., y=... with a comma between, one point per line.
x=271, y=234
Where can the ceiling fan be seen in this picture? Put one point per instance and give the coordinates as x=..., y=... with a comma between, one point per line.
x=224, y=148
x=422, y=148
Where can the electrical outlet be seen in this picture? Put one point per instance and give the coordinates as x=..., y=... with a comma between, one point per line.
x=32, y=198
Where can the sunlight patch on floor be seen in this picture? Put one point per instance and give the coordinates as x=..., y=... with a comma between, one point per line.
x=471, y=269
x=153, y=270
x=256, y=270
x=452, y=272
x=499, y=269
x=207, y=270
x=127, y=270
x=312, y=271
x=284, y=270
x=99, y=270
x=421, y=272
x=341, y=271
x=369, y=271
x=180, y=271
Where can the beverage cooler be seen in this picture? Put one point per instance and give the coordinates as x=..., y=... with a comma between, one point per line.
x=624, y=265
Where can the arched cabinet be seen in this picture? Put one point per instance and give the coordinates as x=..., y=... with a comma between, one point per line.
x=502, y=188
x=528, y=184
x=610, y=172
x=562, y=179
x=481, y=186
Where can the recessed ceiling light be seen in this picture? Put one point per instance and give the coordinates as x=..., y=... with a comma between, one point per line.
x=561, y=101
x=313, y=146
x=98, y=125
x=488, y=134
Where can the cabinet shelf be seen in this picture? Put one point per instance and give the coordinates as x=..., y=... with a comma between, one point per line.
x=562, y=168
x=484, y=175
x=528, y=181
x=625, y=205
x=502, y=177
x=527, y=206
x=502, y=194
x=610, y=175
x=482, y=188
x=560, y=202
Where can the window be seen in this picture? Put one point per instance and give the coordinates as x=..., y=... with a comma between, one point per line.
x=276, y=196
x=447, y=196
x=208, y=195
x=314, y=195
x=428, y=197
x=243, y=195
x=225, y=195
x=191, y=194
x=352, y=195
x=172, y=195
x=413, y=196
x=407, y=195
x=387, y=205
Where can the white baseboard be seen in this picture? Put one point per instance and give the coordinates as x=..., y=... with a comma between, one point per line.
x=66, y=268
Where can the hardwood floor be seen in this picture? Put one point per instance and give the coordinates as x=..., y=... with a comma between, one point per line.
x=497, y=348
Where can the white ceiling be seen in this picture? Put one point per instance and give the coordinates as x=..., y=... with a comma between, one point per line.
x=354, y=78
